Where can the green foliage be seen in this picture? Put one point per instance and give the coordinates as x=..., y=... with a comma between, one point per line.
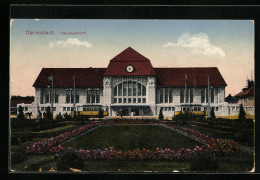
x=48, y=115
x=20, y=115
x=69, y=160
x=17, y=157
x=203, y=162
x=161, y=115
x=212, y=113
x=242, y=113
x=244, y=137
x=67, y=117
x=59, y=117
x=100, y=113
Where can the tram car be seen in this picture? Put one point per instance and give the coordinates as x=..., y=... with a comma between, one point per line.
x=90, y=110
x=194, y=110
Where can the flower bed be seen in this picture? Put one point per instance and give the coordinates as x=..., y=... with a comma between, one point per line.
x=212, y=146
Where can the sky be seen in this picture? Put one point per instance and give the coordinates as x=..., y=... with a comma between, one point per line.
x=226, y=44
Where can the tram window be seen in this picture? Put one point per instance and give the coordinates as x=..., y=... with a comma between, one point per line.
x=134, y=100
x=139, y=100
x=199, y=109
x=88, y=109
x=195, y=109
x=129, y=100
x=184, y=109
x=84, y=109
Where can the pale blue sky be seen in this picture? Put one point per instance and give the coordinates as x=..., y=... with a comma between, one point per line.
x=226, y=44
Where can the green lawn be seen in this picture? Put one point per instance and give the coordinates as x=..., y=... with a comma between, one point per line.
x=58, y=129
x=128, y=137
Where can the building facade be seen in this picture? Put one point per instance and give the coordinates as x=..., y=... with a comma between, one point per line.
x=132, y=86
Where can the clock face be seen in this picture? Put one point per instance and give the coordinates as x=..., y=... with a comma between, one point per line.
x=129, y=68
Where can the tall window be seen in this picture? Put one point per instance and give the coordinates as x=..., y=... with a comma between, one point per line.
x=170, y=96
x=187, y=96
x=125, y=89
x=161, y=96
x=216, y=94
x=134, y=88
x=144, y=90
x=41, y=96
x=202, y=95
x=120, y=90
x=191, y=95
x=56, y=96
x=212, y=95
x=129, y=88
x=182, y=96
x=115, y=91
x=93, y=96
x=88, y=96
x=47, y=97
x=139, y=89
x=68, y=96
x=98, y=97
x=166, y=96
x=72, y=97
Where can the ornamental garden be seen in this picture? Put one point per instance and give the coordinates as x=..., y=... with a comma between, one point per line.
x=186, y=143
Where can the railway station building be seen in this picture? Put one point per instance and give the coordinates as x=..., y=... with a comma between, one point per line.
x=132, y=86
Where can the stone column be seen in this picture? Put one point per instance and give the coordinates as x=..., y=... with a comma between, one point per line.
x=107, y=93
x=151, y=94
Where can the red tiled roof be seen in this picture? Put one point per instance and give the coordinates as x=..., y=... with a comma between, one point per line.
x=142, y=65
x=130, y=55
x=248, y=92
x=14, y=102
x=196, y=76
x=63, y=77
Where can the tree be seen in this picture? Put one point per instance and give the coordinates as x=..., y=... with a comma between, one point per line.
x=100, y=113
x=49, y=116
x=212, y=113
x=242, y=113
x=59, y=117
x=20, y=115
x=161, y=115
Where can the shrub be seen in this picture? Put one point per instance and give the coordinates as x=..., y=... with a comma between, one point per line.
x=48, y=116
x=161, y=115
x=67, y=117
x=212, y=113
x=20, y=116
x=244, y=137
x=242, y=113
x=69, y=160
x=17, y=157
x=100, y=113
x=203, y=162
x=59, y=117
x=25, y=136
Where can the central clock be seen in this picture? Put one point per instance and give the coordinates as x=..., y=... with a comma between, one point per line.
x=129, y=68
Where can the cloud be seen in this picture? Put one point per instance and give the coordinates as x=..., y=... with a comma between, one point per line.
x=70, y=42
x=197, y=43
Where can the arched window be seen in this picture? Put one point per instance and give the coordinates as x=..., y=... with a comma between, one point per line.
x=128, y=91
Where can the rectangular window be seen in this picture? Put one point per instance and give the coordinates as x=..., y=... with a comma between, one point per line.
x=139, y=100
x=129, y=100
x=134, y=100
x=124, y=100
x=68, y=96
x=115, y=91
x=54, y=108
x=144, y=100
x=191, y=95
x=56, y=96
x=169, y=108
x=139, y=89
x=216, y=108
x=98, y=97
x=41, y=97
x=130, y=88
x=115, y=100
x=47, y=97
x=25, y=108
x=161, y=96
x=182, y=96
x=68, y=108
x=125, y=89
x=72, y=97
x=173, y=108
x=120, y=100
x=216, y=94
x=202, y=95
x=212, y=95
x=93, y=97
x=88, y=96
x=64, y=108
x=77, y=96
x=187, y=96
x=166, y=96
x=199, y=109
x=207, y=95
x=42, y=108
x=72, y=108
x=195, y=109
x=134, y=88
x=170, y=96
x=120, y=89
x=144, y=91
